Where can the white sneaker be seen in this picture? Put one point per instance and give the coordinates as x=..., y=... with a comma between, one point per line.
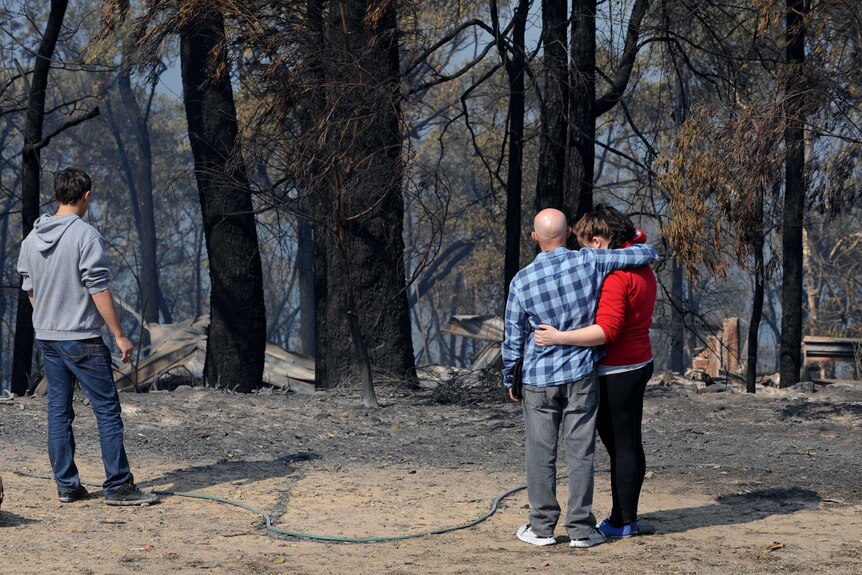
x=595, y=537
x=526, y=535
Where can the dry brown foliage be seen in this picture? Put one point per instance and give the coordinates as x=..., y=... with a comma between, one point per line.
x=720, y=171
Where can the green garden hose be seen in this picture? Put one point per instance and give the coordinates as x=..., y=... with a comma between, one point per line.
x=495, y=505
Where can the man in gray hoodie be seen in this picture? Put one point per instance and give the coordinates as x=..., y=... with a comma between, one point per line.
x=66, y=275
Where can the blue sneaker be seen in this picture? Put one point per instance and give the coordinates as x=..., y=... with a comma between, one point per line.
x=612, y=532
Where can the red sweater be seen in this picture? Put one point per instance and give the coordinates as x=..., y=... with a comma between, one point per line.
x=625, y=315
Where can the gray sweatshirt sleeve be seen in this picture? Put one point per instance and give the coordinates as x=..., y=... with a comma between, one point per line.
x=24, y=270
x=95, y=271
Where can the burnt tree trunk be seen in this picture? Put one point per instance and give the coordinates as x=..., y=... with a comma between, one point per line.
x=4, y=239
x=305, y=265
x=22, y=356
x=309, y=254
x=581, y=154
x=583, y=105
x=677, y=315
x=237, y=332
x=360, y=199
x=550, y=178
x=142, y=171
x=758, y=241
x=200, y=243
x=516, y=65
x=794, y=196
x=677, y=289
x=138, y=172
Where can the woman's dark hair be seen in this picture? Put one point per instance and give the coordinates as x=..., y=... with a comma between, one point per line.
x=70, y=185
x=608, y=223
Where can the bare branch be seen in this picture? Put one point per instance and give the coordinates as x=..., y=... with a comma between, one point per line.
x=69, y=124
x=630, y=52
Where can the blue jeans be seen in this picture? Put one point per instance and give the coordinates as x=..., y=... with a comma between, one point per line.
x=88, y=361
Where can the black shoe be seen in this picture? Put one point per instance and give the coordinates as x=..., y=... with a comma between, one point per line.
x=79, y=492
x=129, y=494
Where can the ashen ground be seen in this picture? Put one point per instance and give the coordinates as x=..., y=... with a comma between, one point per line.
x=736, y=484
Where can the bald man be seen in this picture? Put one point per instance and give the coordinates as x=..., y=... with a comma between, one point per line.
x=561, y=288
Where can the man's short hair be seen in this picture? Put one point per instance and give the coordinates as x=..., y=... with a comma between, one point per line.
x=608, y=223
x=70, y=185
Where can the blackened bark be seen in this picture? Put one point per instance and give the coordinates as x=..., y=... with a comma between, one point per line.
x=305, y=266
x=756, y=304
x=794, y=197
x=200, y=242
x=361, y=359
x=305, y=252
x=4, y=239
x=326, y=370
x=677, y=321
x=22, y=357
x=551, y=173
x=359, y=198
x=515, y=70
x=142, y=171
x=237, y=331
x=580, y=160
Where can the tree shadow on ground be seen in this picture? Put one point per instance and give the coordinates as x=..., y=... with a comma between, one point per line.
x=12, y=520
x=228, y=471
x=814, y=410
x=733, y=509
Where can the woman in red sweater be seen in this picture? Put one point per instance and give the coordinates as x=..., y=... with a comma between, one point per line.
x=622, y=325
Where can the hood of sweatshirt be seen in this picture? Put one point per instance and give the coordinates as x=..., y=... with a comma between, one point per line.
x=47, y=230
x=640, y=238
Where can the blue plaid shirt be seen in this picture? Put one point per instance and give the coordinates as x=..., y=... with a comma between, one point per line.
x=559, y=288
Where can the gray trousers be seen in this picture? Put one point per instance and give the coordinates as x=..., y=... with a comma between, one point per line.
x=574, y=406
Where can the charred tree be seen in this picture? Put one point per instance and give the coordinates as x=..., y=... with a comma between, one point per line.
x=138, y=171
x=4, y=239
x=677, y=290
x=581, y=154
x=677, y=315
x=305, y=265
x=22, y=357
x=758, y=242
x=143, y=197
x=309, y=257
x=794, y=195
x=237, y=332
x=360, y=206
x=550, y=177
x=582, y=107
x=515, y=65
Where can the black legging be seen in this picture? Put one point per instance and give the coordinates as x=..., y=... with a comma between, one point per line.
x=621, y=403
